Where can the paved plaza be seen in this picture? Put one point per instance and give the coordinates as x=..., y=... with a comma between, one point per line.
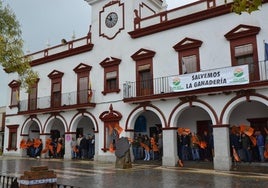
x=93, y=174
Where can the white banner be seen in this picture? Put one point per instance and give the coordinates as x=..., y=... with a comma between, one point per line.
x=212, y=78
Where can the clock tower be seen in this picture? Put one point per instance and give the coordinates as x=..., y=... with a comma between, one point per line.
x=111, y=18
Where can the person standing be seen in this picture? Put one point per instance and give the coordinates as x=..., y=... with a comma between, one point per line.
x=84, y=147
x=135, y=147
x=246, y=149
x=146, y=145
x=195, y=147
x=78, y=140
x=236, y=146
x=74, y=148
x=260, y=145
x=185, y=146
x=91, y=147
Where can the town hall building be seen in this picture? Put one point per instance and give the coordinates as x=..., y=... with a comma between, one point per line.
x=151, y=71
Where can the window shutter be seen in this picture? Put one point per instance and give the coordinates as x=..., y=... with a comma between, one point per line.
x=243, y=50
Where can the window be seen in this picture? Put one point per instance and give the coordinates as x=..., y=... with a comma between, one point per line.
x=111, y=81
x=188, y=55
x=33, y=98
x=56, y=78
x=145, y=83
x=144, y=72
x=243, y=45
x=244, y=56
x=84, y=90
x=12, y=139
x=56, y=95
x=111, y=75
x=15, y=93
x=14, y=97
x=189, y=64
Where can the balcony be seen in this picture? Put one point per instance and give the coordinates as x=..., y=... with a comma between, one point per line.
x=199, y=83
x=58, y=102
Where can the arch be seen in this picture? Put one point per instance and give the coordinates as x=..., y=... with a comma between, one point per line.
x=130, y=123
x=77, y=117
x=185, y=104
x=49, y=121
x=229, y=107
x=27, y=123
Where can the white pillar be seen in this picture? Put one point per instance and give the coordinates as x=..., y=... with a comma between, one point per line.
x=170, y=157
x=67, y=145
x=222, y=159
x=44, y=139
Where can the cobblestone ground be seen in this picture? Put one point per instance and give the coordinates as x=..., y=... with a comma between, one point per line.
x=93, y=174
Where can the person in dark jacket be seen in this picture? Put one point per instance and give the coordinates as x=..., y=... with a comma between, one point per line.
x=246, y=150
x=84, y=147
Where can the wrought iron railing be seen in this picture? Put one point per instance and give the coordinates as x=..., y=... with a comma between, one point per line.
x=11, y=181
x=64, y=99
x=161, y=85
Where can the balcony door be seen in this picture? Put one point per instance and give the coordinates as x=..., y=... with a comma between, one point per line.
x=145, y=86
x=56, y=95
x=83, y=90
x=33, y=98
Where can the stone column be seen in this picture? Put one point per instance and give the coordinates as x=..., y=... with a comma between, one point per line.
x=170, y=157
x=222, y=158
x=67, y=145
x=44, y=139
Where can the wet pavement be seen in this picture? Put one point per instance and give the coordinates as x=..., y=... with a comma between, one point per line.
x=93, y=174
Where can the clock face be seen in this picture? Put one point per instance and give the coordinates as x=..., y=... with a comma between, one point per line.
x=111, y=19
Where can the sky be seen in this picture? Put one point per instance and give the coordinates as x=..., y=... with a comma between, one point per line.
x=45, y=22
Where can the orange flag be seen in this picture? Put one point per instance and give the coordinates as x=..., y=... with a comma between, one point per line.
x=236, y=157
x=111, y=148
x=37, y=142
x=265, y=154
x=118, y=128
x=184, y=131
x=59, y=146
x=203, y=144
x=23, y=144
x=145, y=146
x=247, y=130
x=180, y=163
x=47, y=147
x=253, y=140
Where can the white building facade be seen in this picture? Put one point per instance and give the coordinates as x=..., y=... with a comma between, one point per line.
x=131, y=67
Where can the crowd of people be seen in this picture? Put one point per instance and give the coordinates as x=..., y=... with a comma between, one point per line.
x=147, y=148
x=34, y=147
x=248, y=146
x=192, y=146
x=83, y=147
x=245, y=146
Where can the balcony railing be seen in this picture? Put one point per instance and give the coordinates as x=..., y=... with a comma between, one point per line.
x=162, y=85
x=60, y=101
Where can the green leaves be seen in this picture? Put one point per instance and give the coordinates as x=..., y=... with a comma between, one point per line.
x=248, y=6
x=12, y=57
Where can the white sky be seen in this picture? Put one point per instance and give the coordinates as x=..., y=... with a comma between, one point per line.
x=48, y=21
